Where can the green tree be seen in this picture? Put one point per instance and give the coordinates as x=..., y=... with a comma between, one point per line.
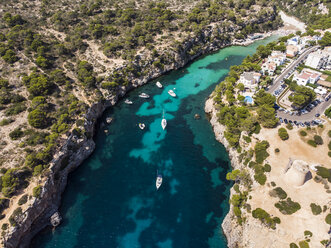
x=36, y=192
x=328, y=112
x=283, y=134
x=264, y=98
x=326, y=40
x=38, y=118
x=42, y=62
x=267, y=116
x=10, y=56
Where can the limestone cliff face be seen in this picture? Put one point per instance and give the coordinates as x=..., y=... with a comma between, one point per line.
x=231, y=229
x=77, y=149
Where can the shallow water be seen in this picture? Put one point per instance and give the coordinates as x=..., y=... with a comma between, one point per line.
x=111, y=199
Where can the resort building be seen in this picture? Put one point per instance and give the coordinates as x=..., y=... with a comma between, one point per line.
x=250, y=80
x=277, y=57
x=307, y=76
x=305, y=41
x=268, y=68
x=293, y=41
x=321, y=90
x=327, y=50
x=317, y=60
x=291, y=50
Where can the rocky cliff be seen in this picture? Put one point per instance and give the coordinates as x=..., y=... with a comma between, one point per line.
x=78, y=147
x=231, y=229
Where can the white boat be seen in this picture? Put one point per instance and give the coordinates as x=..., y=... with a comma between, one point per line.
x=158, y=84
x=144, y=95
x=109, y=120
x=141, y=126
x=172, y=93
x=158, y=180
x=127, y=101
x=163, y=122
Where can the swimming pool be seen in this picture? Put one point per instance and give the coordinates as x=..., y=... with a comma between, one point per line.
x=248, y=99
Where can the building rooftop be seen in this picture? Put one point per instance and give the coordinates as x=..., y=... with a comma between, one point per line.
x=250, y=75
x=307, y=73
x=292, y=48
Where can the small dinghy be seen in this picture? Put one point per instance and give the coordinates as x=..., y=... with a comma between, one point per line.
x=158, y=180
x=141, y=126
x=109, y=120
x=159, y=85
x=127, y=101
x=172, y=93
x=163, y=122
x=144, y=95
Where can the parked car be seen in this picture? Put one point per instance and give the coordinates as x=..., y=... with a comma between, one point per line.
x=317, y=115
x=281, y=119
x=285, y=120
x=301, y=124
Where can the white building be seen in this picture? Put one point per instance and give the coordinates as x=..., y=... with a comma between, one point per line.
x=294, y=41
x=250, y=80
x=327, y=51
x=277, y=57
x=269, y=68
x=307, y=76
x=291, y=50
x=317, y=59
x=320, y=90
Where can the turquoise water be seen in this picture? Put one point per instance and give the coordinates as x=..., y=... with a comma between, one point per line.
x=111, y=200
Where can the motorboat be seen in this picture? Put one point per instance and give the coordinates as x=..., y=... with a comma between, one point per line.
x=127, y=101
x=158, y=180
x=172, y=93
x=163, y=122
x=144, y=95
x=141, y=126
x=159, y=85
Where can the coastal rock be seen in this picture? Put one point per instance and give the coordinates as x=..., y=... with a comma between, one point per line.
x=231, y=229
x=56, y=219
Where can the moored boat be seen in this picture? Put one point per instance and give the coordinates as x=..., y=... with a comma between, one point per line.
x=158, y=84
x=141, y=126
x=144, y=95
x=163, y=122
x=172, y=93
x=109, y=120
x=158, y=180
x=127, y=101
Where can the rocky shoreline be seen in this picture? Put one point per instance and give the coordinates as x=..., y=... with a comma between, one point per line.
x=77, y=148
x=231, y=229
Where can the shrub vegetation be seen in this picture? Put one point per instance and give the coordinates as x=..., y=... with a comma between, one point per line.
x=287, y=206
x=265, y=218
x=283, y=134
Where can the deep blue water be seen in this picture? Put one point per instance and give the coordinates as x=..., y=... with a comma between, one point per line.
x=111, y=200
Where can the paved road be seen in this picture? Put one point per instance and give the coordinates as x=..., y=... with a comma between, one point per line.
x=276, y=82
x=319, y=109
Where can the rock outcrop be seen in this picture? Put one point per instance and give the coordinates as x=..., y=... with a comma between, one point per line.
x=231, y=229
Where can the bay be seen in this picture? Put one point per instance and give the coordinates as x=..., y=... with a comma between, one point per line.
x=111, y=199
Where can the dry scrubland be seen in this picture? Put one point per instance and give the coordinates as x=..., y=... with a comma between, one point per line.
x=292, y=227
